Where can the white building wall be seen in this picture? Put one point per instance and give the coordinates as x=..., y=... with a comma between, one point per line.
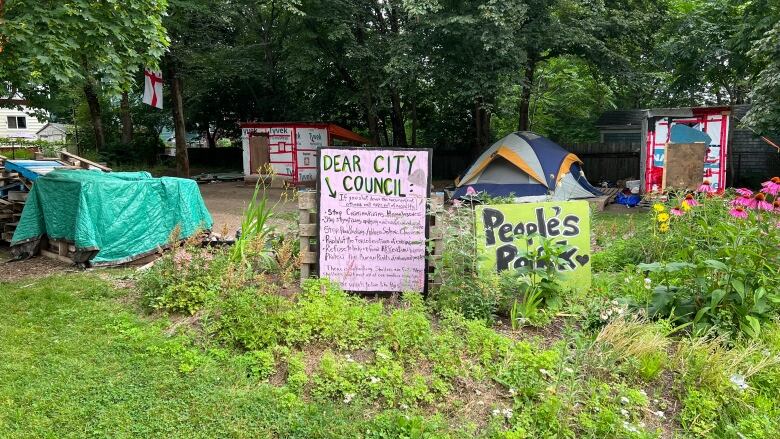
x=33, y=124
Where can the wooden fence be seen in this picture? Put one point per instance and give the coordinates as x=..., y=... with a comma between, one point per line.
x=307, y=232
x=608, y=161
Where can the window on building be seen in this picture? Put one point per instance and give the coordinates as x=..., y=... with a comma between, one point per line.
x=17, y=122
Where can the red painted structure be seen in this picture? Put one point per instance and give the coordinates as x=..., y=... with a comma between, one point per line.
x=711, y=120
x=293, y=147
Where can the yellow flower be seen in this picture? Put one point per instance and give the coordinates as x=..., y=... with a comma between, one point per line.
x=664, y=227
x=658, y=207
x=685, y=207
x=662, y=217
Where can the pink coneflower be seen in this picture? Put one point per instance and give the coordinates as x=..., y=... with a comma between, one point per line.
x=776, y=206
x=457, y=203
x=772, y=186
x=470, y=191
x=745, y=192
x=738, y=212
x=745, y=200
x=761, y=202
x=677, y=211
x=706, y=187
x=690, y=201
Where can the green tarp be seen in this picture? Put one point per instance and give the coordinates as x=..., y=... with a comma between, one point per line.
x=121, y=215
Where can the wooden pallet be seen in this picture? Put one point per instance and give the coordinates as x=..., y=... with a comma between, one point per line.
x=307, y=232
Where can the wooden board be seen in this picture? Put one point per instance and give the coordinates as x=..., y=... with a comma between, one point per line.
x=259, y=153
x=683, y=166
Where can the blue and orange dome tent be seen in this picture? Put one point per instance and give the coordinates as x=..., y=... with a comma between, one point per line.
x=529, y=167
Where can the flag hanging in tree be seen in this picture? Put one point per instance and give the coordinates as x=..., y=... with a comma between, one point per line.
x=153, y=88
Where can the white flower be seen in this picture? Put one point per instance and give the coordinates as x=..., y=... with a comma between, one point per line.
x=349, y=358
x=615, y=302
x=404, y=406
x=507, y=413
x=512, y=391
x=604, y=316
x=374, y=380
x=624, y=412
x=496, y=412
x=348, y=397
x=545, y=372
x=660, y=414
x=624, y=400
x=568, y=370
x=739, y=381
x=648, y=283
x=629, y=427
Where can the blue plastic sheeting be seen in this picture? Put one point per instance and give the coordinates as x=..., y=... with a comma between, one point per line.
x=685, y=134
x=32, y=169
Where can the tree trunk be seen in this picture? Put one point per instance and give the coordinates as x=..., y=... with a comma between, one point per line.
x=481, y=126
x=525, y=95
x=127, y=120
x=95, y=115
x=383, y=118
x=179, y=129
x=211, y=139
x=397, y=120
x=414, y=122
x=371, y=118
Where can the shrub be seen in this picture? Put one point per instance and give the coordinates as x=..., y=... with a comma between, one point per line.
x=183, y=280
x=251, y=319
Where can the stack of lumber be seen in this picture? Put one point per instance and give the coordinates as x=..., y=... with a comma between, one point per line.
x=13, y=194
x=17, y=178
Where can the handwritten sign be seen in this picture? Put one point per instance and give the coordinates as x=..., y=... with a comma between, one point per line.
x=503, y=230
x=372, y=224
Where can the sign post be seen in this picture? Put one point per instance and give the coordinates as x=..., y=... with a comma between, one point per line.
x=373, y=225
x=506, y=232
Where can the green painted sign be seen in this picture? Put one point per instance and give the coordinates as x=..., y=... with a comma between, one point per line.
x=507, y=232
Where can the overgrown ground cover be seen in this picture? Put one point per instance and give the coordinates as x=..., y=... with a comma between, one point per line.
x=221, y=343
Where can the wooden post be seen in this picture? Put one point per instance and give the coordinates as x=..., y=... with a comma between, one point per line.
x=436, y=238
x=307, y=229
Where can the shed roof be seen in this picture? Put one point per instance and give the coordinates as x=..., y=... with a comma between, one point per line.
x=57, y=126
x=621, y=118
x=334, y=130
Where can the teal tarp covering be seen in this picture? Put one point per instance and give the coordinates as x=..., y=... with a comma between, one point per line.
x=122, y=215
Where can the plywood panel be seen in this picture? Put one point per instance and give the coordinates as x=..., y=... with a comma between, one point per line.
x=259, y=153
x=683, y=166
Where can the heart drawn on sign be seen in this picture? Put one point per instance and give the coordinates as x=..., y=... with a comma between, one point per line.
x=582, y=259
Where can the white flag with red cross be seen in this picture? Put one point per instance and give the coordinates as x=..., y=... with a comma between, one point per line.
x=153, y=85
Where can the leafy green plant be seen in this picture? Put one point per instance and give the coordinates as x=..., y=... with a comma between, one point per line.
x=535, y=284
x=463, y=288
x=714, y=271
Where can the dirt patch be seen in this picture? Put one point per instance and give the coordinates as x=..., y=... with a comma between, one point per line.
x=36, y=267
x=227, y=200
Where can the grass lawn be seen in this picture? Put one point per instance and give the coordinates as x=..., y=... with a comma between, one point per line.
x=74, y=362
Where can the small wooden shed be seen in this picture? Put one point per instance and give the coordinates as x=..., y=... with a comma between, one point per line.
x=291, y=148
